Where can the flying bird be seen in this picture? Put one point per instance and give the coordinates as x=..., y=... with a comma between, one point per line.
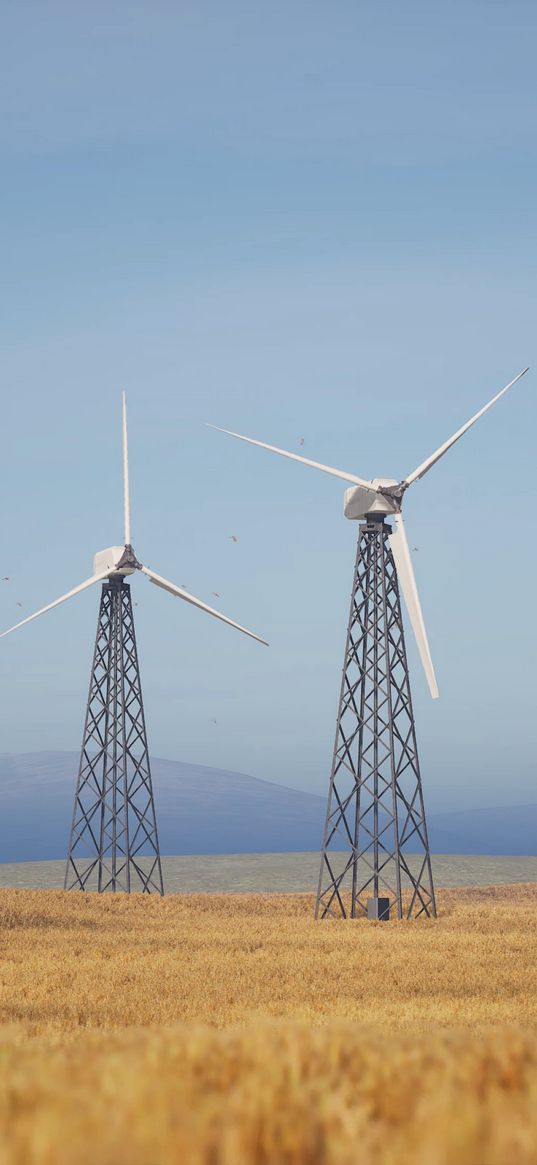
x=216, y=595
x=301, y=442
x=233, y=538
x=6, y=578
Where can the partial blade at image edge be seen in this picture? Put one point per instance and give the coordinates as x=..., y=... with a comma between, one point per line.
x=159, y=581
x=351, y=477
x=70, y=594
x=405, y=573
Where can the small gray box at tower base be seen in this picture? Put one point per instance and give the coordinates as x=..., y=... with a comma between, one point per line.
x=379, y=909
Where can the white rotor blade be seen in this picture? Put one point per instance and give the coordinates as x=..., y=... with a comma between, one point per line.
x=304, y=460
x=181, y=594
x=427, y=465
x=88, y=583
x=407, y=582
x=126, y=497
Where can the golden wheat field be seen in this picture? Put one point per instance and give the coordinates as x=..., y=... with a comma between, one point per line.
x=232, y=1030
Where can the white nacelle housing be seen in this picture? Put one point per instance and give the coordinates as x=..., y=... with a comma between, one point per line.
x=107, y=559
x=360, y=501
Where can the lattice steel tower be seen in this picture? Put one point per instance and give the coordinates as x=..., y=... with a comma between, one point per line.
x=375, y=819
x=375, y=853
x=114, y=841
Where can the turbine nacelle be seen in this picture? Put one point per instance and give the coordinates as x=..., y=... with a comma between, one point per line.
x=359, y=501
x=110, y=559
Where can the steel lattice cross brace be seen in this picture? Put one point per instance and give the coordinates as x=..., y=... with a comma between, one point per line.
x=114, y=840
x=375, y=816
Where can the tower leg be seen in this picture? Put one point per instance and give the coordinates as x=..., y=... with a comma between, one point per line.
x=375, y=843
x=113, y=843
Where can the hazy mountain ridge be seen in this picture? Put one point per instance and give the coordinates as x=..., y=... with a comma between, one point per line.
x=204, y=810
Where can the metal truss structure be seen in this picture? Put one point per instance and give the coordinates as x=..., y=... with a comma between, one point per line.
x=114, y=841
x=375, y=843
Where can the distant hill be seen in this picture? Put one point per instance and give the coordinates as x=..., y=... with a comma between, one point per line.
x=199, y=810
x=212, y=811
x=505, y=830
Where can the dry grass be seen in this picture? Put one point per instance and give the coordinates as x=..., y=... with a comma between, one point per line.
x=228, y=1030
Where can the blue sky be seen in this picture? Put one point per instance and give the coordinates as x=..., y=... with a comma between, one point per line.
x=296, y=220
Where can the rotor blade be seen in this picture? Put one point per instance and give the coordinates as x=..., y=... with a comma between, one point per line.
x=126, y=497
x=304, y=460
x=88, y=583
x=181, y=594
x=427, y=465
x=407, y=582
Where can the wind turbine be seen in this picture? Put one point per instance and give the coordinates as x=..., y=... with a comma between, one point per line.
x=375, y=811
x=113, y=842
